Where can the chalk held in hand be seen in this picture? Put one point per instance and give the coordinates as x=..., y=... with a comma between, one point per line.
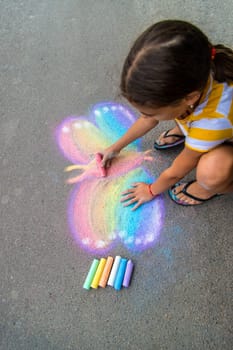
x=106, y=272
x=128, y=274
x=114, y=271
x=120, y=274
x=91, y=274
x=98, y=273
x=102, y=170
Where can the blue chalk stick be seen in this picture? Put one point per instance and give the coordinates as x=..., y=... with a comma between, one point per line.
x=120, y=274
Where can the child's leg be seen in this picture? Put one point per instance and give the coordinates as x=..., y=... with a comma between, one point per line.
x=215, y=169
x=214, y=175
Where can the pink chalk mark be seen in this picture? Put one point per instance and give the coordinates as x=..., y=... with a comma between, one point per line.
x=82, y=216
x=82, y=222
x=67, y=144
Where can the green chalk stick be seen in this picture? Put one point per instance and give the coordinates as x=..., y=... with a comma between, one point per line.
x=91, y=274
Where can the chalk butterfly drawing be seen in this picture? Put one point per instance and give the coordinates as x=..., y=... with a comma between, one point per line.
x=96, y=217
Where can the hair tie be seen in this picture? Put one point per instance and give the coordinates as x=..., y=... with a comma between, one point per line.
x=213, y=53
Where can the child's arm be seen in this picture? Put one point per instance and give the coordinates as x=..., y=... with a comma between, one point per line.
x=182, y=165
x=185, y=162
x=138, y=129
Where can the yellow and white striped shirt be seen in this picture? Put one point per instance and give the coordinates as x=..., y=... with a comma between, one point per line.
x=211, y=123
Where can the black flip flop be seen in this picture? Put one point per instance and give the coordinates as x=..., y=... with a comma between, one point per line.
x=175, y=199
x=181, y=139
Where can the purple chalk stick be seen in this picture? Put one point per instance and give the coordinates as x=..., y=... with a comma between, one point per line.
x=128, y=274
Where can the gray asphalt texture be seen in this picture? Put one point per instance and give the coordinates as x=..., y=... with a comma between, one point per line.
x=57, y=59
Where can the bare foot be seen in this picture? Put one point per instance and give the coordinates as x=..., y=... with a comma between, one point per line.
x=169, y=140
x=194, y=189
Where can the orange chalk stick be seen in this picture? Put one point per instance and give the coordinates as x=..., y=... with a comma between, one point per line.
x=106, y=272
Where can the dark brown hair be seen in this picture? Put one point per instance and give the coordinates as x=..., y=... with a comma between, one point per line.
x=168, y=61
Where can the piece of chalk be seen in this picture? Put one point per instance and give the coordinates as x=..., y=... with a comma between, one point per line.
x=91, y=274
x=120, y=274
x=106, y=272
x=98, y=273
x=102, y=170
x=128, y=274
x=114, y=271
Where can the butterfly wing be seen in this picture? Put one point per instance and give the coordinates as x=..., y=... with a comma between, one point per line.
x=141, y=228
x=79, y=138
x=98, y=220
x=114, y=119
x=89, y=219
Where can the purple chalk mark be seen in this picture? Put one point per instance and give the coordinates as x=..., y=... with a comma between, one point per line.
x=128, y=274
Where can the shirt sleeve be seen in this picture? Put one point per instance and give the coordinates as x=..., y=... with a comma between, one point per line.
x=206, y=134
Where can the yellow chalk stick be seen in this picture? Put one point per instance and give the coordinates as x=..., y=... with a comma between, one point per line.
x=98, y=273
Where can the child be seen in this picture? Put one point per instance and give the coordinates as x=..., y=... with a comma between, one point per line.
x=174, y=72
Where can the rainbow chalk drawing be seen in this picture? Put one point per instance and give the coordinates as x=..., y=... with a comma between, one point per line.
x=97, y=219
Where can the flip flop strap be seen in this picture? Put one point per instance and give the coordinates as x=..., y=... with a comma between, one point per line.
x=184, y=191
x=173, y=135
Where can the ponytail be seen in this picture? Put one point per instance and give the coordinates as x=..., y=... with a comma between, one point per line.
x=222, y=64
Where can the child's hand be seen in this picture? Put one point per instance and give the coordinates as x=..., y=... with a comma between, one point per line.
x=108, y=156
x=139, y=194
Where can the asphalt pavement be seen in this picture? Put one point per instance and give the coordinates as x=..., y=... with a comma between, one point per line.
x=59, y=58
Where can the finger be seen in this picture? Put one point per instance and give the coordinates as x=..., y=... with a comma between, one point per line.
x=135, y=184
x=108, y=163
x=104, y=162
x=130, y=190
x=127, y=197
x=106, y=159
x=129, y=202
x=136, y=206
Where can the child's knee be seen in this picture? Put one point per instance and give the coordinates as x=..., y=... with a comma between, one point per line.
x=215, y=168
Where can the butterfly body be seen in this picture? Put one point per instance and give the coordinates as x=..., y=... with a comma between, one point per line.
x=119, y=166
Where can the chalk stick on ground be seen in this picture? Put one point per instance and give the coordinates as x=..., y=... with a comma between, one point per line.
x=91, y=274
x=120, y=274
x=114, y=271
x=98, y=273
x=128, y=274
x=106, y=272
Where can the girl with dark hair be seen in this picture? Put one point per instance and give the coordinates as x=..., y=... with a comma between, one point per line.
x=174, y=72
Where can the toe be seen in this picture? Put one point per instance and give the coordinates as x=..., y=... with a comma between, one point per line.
x=185, y=198
x=161, y=140
x=177, y=188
